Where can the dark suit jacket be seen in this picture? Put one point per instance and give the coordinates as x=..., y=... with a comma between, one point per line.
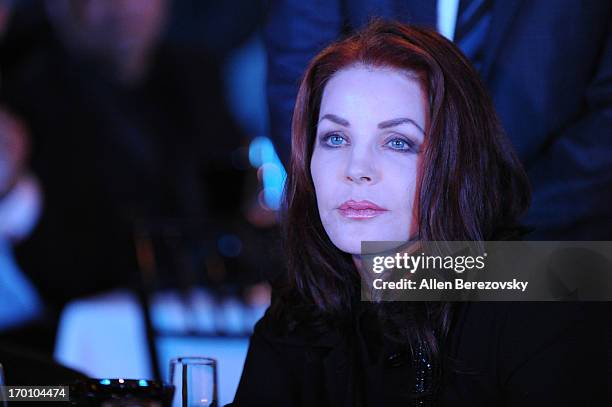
x=548, y=67
x=507, y=354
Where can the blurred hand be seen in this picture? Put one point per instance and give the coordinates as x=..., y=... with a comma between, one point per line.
x=13, y=151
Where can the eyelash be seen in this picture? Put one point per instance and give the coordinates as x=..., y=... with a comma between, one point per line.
x=411, y=147
x=326, y=138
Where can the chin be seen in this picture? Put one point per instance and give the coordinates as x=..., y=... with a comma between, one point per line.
x=351, y=242
x=347, y=236
x=352, y=245
x=353, y=248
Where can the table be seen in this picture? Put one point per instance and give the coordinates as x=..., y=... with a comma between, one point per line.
x=104, y=336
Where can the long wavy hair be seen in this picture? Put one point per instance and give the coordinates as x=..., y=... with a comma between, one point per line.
x=472, y=186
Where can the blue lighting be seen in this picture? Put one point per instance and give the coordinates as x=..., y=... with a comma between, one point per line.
x=259, y=151
x=105, y=382
x=263, y=156
x=143, y=383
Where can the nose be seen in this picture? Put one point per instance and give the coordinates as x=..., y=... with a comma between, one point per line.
x=361, y=169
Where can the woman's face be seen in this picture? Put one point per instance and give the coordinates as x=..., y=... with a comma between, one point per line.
x=366, y=155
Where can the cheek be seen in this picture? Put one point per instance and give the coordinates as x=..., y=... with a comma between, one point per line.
x=324, y=178
x=315, y=174
x=400, y=187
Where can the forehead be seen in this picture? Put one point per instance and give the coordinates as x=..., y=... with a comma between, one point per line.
x=376, y=93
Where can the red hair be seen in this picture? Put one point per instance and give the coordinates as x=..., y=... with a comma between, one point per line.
x=472, y=186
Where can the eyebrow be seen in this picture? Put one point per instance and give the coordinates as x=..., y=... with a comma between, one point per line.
x=335, y=119
x=382, y=125
x=396, y=122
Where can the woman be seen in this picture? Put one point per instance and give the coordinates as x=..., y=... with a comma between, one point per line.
x=394, y=138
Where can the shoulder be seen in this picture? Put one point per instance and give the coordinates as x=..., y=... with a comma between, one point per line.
x=545, y=316
x=525, y=326
x=285, y=328
x=533, y=352
x=281, y=362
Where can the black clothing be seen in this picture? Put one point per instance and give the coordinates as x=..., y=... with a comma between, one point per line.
x=23, y=367
x=506, y=354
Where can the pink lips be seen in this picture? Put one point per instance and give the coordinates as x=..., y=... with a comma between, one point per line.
x=360, y=209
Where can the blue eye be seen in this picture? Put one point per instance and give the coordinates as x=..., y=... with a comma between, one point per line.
x=334, y=140
x=401, y=144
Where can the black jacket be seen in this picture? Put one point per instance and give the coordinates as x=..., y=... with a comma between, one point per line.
x=506, y=354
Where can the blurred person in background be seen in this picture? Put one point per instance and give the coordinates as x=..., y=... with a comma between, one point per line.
x=20, y=203
x=125, y=129
x=547, y=65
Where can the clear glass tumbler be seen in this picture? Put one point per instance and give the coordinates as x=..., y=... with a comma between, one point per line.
x=195, y=382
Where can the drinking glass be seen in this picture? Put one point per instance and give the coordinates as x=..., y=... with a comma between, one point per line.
x=195, y=382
